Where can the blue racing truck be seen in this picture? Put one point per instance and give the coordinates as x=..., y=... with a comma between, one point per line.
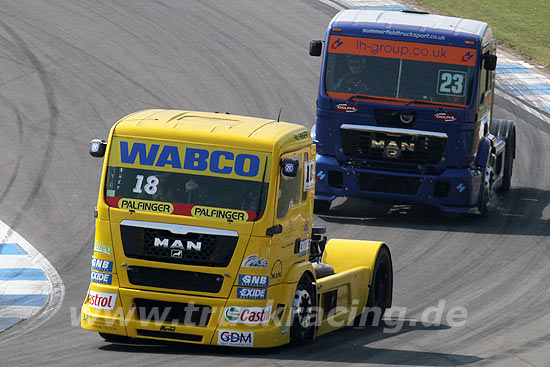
x=405, y=112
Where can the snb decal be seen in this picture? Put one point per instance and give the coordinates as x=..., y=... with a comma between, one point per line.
x=254, y=280
x=102, y=265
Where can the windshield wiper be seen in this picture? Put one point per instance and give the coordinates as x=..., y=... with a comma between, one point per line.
x=419, y=101
x=261, y=192
x=412, y=101
x=371, y=97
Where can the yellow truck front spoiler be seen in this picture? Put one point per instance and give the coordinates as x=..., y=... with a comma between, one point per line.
x=127, y=319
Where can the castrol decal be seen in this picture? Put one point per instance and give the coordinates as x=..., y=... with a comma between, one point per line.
x=101, y=300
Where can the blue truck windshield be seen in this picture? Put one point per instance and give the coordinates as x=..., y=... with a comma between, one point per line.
x=402, y=71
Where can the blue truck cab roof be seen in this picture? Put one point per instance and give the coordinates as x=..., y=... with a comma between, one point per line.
x=413, y=26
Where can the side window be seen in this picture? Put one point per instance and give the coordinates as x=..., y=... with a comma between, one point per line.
x=483, y=83
x=290, y=190
x=307, y=168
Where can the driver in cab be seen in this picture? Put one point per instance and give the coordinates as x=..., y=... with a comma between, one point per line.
x=354, y=80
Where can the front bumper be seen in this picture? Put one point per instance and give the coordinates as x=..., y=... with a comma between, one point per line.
x=454, y=190
x=126, y=318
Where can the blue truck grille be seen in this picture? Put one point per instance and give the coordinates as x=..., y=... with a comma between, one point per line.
x=393, y=147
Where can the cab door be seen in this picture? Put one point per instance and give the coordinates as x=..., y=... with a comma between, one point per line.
x=486, y=91
x=293, y=214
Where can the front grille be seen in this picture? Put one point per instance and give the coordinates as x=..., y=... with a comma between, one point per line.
x=167, y=335
x=175, y=279
x=388, y=183
x=393, y=147
x=189, y=249
x=172, y=312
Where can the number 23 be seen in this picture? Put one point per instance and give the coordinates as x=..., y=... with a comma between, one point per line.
x=451, y=83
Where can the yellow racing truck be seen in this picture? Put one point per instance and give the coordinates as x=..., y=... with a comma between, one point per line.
x=204, y=234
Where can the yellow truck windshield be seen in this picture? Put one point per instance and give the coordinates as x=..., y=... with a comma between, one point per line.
x=187, y=179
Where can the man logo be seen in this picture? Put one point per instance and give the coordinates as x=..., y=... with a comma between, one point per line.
x=177, y=244
x=392, y=149
x=177, y=253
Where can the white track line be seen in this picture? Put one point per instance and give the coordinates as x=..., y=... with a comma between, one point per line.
x=25, y=287
x=18, y=261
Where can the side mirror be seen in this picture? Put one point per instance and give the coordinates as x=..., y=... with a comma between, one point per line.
x=97, y=147
x=289, y=167
x=489, y=62
x=315, y=47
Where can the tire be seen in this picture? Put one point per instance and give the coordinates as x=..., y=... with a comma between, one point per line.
x=115, y=338
x=321, y=206
x=487, y=192
x=484, y=203
x=510, y=153
x=506, y=128
x=380, y=292
x=303, y=308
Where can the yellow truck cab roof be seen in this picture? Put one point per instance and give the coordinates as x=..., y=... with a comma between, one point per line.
x=213, y=128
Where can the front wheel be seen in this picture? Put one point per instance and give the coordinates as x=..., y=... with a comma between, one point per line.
x=303, y=310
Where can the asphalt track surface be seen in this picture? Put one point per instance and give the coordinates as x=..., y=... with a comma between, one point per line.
x=70, y=69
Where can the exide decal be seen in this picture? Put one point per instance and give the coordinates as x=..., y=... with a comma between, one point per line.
x=346, y=107
x=445, y=117
x=251, y=293
x=101, y=278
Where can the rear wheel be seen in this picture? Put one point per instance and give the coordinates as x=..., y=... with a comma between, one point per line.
x=505, y=128
x=303, y=310
x=508, y=160
x=380, y=292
